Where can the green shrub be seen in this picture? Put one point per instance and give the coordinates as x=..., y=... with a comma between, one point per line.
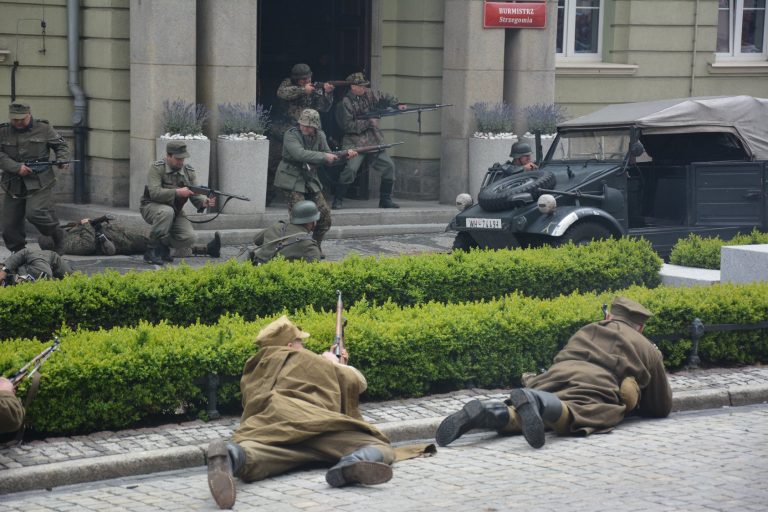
x=704, y=252
x=111, y=379
x=182, y=295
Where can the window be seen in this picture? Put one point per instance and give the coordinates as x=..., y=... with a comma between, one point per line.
x=579, y=29
x=741, y=29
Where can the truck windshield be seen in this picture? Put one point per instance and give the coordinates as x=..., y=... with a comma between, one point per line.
x=597, y=145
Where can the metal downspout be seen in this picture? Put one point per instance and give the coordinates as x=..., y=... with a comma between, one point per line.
x=80, y=104
x=695, y=35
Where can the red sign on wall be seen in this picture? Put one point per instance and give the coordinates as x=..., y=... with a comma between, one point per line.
x=515, y=15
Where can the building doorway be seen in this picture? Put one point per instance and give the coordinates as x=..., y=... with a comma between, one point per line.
x=332, y=36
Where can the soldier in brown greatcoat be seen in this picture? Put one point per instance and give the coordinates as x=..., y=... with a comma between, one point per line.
x=606, y=370
x=28, y=190
x=11, y=410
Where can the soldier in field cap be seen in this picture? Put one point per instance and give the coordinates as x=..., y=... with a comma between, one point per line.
x=607, y=370
x=28, y=188
x=162, y=205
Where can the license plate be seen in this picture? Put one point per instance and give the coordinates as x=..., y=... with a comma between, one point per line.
x=483, y=223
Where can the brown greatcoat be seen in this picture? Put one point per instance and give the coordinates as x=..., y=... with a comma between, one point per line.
x=11, y=412
x=588, y=371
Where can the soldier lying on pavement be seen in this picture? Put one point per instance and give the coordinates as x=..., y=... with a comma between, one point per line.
x=291, y=240
x=30, y=265
x=111, y=237
x=607, y=370
x=11, y=409
x=300, y=408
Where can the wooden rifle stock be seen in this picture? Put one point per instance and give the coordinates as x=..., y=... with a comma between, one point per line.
x=338, y=340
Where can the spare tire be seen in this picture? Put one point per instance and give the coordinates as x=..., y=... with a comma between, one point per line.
x=500, y=195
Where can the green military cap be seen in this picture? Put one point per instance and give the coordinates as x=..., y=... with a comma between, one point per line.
x=357, y=79
x=280, y=333
x=18, y=110
x=177, y=148
x=627, y=309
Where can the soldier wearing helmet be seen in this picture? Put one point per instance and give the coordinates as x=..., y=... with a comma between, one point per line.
x=293, y=240
x=294, y=95
x=305, y=149
x=521, y=157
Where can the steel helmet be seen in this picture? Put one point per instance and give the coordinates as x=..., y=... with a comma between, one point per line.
x=304, y=212
x=300, y=71
x=310, y=117
x=520, y=149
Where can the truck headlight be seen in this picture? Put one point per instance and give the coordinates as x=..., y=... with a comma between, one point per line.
x=547, y=203
x=464, y=201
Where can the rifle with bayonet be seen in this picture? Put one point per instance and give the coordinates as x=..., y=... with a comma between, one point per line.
x=29, y=369
x=391, y=111
x=338, y=341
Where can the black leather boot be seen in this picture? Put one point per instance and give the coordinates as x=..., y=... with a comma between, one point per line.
x=338, y=196
x=385, y=195
x=58, y=240
x=490, y=414
x=225, y=460
x=363, y=466
x=153, y=256
x=535, y=407
x=165, y=253
x=214, y=246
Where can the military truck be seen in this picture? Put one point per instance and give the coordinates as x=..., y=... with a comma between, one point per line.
x=657, y=169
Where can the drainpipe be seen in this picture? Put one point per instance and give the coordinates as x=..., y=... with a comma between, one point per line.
x=693, y=57
x=79, y=116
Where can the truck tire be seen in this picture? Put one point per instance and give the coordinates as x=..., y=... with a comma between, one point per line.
x=585, y=232
x=499, y=196
x=463, y=242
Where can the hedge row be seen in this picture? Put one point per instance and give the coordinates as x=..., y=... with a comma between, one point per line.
x=182, y=296
x=112, y=379
x=696, y=251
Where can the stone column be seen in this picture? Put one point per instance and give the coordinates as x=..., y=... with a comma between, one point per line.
x=162, y=68
x=473, y=70
x=529, y=74
x=226, y=59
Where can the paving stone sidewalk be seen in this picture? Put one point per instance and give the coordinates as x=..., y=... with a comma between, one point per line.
x=402, y=420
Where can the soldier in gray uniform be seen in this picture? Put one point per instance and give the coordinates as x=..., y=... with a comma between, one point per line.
x=521, y=158
x=305, y=148
x=162, y=204
x=28, y=192
x=292, y=240
x=364, y=132
x=31, y=265
x=294, y=95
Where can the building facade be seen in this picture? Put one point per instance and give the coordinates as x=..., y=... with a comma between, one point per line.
x=135, y=54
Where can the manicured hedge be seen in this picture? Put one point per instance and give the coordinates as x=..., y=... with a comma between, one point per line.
x=702, y=252
x=182, y=296
x=111, y=379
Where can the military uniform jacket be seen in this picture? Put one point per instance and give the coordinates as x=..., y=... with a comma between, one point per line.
x=588, y=371
x=360, y=132
x=162, y=182
x=11, y=412
x=35, y=263
x=290, y=396
x=292, y=241
x=34, y=143
x=299, y=150
x=291, y=101
x=81, y=239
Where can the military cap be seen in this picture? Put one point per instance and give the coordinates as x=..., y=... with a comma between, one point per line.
x=177, y=148
x=300, y=71
x=627, y=309
x=357, y=79
x=18, y=110
x=279, y=333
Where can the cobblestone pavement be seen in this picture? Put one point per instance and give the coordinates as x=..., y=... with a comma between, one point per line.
x=193, y=433
x=708, y=460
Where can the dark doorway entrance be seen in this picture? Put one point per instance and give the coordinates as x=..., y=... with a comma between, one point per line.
x=332, y=36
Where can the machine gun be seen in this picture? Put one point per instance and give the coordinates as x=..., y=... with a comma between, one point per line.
x=29, y=369
x=378, y=114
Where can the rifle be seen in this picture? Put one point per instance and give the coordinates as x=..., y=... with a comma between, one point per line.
x=378, y=114
x=604, y=309
x=39, y=166
x=210, y=192
x=97, y=222
x=342, y=154
x=338, y=340
x=336, y=83
x=29, y=369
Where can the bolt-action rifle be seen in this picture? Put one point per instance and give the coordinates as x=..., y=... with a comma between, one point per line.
x=343, y=154
x=29, y=369
x=97, y=222
x=378, y=114
x=336, y=83
x=338, y=341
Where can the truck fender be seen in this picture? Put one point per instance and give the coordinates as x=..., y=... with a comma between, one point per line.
x=564, y=217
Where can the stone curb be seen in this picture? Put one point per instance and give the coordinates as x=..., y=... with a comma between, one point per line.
x=58, y=474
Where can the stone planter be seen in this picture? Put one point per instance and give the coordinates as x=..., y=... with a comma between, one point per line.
x=199, y=157
x=242, y=168
x=483, y=153
x=546, y=142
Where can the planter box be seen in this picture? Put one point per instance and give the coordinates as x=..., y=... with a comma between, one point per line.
x=199, y=157
x=483, y=153
x=242, y=168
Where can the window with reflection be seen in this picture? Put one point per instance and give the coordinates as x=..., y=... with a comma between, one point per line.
x=741, y=30
x=579, y=28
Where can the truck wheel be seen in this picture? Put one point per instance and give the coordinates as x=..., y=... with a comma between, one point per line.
x=500, y=195
x=463, y=242
x=584, y=233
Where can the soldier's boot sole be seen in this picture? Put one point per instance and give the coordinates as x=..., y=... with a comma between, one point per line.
x=530, y=419
x=361, y=472
x=221, y=482
x=459, y=423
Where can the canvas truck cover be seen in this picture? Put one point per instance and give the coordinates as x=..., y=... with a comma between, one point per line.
x=745, y=116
